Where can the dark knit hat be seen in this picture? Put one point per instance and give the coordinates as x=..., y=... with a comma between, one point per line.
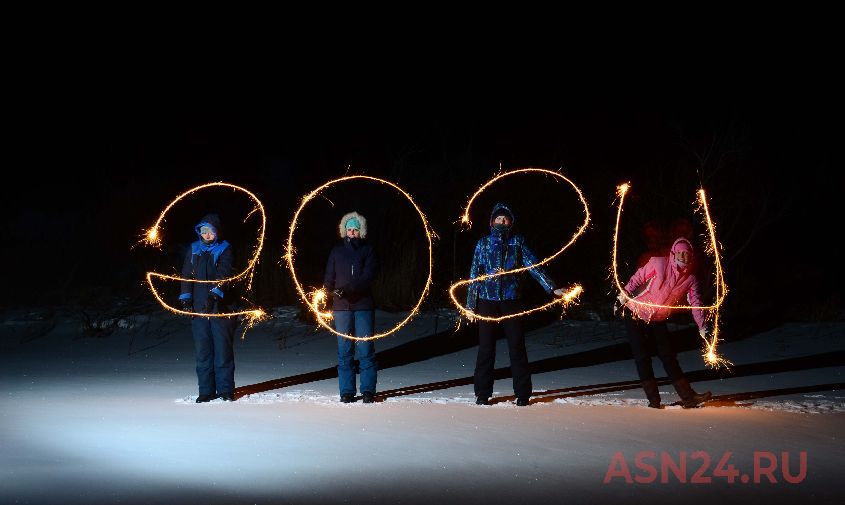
x=502, y=212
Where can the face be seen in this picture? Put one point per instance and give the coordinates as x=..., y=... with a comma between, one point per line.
x=683, y=257
x=208, y=236
x=353, y=233
x=505, y=220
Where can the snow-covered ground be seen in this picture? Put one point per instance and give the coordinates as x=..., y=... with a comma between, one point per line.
x=112, y=419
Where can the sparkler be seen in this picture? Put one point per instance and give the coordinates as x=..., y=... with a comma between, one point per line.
x=153, y=237
x=569, y=297
x=711, y=358
x=316, y=299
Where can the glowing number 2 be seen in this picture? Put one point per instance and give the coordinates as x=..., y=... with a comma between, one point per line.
x=573, y=291
x=153, y=237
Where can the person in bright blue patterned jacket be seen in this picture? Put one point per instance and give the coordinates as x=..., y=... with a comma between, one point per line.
x=501, y=296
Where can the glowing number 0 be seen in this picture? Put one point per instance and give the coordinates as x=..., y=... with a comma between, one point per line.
x=316, y=299
x=567, y=298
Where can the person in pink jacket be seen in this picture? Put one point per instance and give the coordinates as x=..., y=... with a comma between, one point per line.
x=664, y=281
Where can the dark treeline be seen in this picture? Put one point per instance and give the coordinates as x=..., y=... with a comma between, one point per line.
x=69, y=238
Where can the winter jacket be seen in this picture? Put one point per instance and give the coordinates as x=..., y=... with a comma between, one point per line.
x=206, y=262
x=499, y=251
x=661, y=282
x=351, y=267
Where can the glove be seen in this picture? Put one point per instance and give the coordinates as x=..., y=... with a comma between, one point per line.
x=212, y=304
x=187, y=304
x=619, y=305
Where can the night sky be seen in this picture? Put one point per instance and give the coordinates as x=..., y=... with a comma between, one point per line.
x=765, y=156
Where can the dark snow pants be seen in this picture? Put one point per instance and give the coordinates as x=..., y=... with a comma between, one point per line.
x=639, y=334
x=487, y=348
x=214, y=350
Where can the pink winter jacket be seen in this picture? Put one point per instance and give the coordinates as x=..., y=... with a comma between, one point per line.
x=660, y=282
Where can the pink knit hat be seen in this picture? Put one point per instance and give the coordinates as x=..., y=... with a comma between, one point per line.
x=682, y=245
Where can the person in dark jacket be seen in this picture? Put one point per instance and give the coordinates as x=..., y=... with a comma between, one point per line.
x=500, y=296
x=350, y=270
x=208, y=259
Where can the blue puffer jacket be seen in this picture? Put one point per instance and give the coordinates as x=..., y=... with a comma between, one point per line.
x=206, y=262
x=499, y=251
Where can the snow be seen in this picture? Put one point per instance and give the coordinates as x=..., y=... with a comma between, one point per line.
x=112, y=419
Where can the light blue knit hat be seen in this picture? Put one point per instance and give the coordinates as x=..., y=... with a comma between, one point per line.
x=353, y=223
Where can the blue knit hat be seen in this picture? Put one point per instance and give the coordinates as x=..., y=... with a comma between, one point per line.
x=353, y=223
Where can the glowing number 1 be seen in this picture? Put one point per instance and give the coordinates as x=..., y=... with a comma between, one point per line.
x=711, y=358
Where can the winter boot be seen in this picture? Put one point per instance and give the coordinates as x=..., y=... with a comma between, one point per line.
x=652, y=393
x=689, y=398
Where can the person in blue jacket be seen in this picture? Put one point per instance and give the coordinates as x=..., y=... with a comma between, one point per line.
x=210, y=258
x=350, y=271
x=501, y=296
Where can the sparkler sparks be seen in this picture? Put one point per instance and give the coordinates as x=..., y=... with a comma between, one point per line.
x=569, y=297
x=317, y=298
x=711, y=357
x=153, y=237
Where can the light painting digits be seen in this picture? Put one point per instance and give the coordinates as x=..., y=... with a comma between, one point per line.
x=564, y=300
x=316, y=299
x=153, y=237
x=711, y=358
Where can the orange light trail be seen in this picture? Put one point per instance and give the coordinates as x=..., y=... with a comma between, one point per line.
x=711, y=357
x=153, y=237
x=316, y=299
x=569, y=297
